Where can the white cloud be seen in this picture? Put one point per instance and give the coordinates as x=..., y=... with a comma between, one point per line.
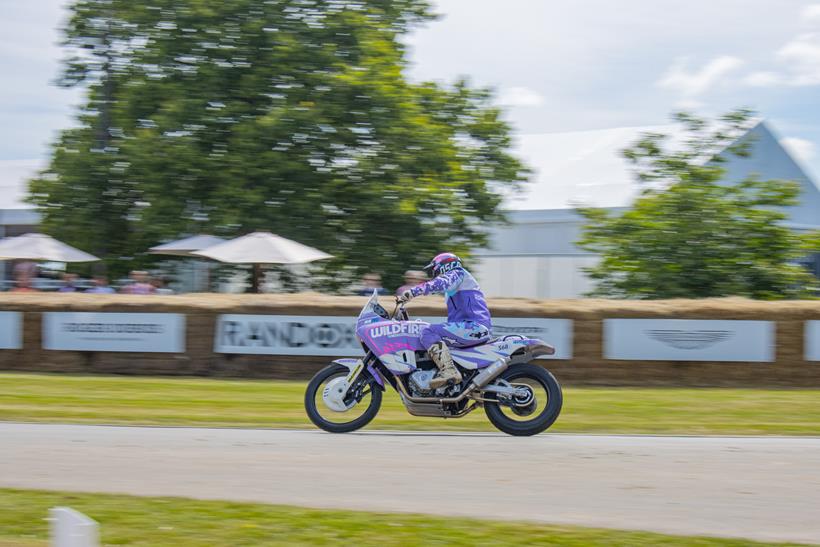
x=811, y=13
x=763, y=78
x=801, y=149
x=13, y=177
x=799, y=59
x=689, y=104
x=693, y=83
x=520, y=96
x=802, y=59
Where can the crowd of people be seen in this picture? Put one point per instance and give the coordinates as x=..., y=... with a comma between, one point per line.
x=141, y=282
x=138, y=282
x=371, y=281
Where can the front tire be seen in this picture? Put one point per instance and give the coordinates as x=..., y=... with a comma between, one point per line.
x=325, y=375
x=541, y=419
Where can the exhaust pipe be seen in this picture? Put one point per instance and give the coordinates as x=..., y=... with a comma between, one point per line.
x=488, y=374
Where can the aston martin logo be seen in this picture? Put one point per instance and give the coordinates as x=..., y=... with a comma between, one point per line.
x=689, y=339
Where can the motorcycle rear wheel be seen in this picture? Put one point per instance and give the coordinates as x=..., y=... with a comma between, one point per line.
x=322, y=377
x=511, y=422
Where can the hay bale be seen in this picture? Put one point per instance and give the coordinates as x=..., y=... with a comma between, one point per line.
x=588, y=367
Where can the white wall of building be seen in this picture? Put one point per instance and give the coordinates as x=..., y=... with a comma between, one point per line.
x=534, y=276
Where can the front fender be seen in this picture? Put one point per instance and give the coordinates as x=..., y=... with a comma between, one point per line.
x=350, y=364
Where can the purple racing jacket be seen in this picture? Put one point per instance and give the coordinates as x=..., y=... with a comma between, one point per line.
x=465, y=301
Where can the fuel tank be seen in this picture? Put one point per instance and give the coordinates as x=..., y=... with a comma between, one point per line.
x=395, y=343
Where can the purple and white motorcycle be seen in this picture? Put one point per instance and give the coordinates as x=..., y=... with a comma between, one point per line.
x=518, y=397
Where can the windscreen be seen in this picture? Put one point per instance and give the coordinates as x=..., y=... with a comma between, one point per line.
x=373, y=311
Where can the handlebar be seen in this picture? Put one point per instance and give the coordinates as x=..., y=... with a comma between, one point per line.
x=399, y=308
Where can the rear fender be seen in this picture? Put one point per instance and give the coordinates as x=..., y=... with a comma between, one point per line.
x=529, y=350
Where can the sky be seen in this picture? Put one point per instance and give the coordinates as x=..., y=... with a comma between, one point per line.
x=555, y=66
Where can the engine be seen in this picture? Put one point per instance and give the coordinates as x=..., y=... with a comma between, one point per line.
x=419, y=384
x=420, y=381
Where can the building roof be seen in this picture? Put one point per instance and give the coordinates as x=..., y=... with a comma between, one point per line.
x=579, y=167
x=544, y=221
x=588, y=168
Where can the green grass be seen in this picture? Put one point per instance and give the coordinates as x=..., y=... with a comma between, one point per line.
x=128, y=520
x=258, y=403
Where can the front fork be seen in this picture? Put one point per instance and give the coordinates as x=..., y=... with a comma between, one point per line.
x=357, y=367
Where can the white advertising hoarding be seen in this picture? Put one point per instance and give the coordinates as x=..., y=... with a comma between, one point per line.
x=335, y=336
x=688, y=340
x=105, y=331
x=11, y=330
x=555, y=332
x=812, y=340
x=286, y=335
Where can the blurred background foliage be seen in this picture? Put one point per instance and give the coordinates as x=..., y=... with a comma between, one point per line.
x=293, y=116
x=691, y=234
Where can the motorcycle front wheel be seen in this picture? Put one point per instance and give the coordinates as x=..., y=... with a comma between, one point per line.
x=536, y=416
x=363, y=401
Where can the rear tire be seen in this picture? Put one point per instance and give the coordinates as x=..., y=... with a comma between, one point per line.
x=544, y=419
x=335, y=427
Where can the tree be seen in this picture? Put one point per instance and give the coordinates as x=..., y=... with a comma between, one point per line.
x=292, y=116
x=693, y=235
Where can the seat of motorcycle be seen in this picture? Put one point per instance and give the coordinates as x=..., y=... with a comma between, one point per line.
x=479, y=343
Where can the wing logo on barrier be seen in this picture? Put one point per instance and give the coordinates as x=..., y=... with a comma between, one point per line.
x=689, y=339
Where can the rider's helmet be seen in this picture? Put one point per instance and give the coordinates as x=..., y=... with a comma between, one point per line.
x=442, y=263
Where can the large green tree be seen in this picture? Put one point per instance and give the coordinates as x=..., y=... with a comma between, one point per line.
x=692, y=234
x=294, y=116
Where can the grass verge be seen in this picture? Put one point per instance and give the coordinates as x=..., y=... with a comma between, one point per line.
x=137, y=521
x=258, y=403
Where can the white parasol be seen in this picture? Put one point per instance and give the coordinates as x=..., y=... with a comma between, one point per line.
x=41, y=247
x=186, y=246
x=262, y=248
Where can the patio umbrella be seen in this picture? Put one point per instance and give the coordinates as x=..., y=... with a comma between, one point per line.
x=185, y=246
x=41, y=247
x=262, y=248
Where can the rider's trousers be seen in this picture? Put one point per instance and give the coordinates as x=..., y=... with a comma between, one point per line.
x=455, y=335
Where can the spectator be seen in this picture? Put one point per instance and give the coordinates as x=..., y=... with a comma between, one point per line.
x=23, y=282
x=411, y=279
x=100, y=285
x=371, y=281
x=139, y=285
x=25, y=268
x=68, y=283
x=160, y=285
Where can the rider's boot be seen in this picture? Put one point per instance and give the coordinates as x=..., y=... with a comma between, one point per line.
x=447, y=371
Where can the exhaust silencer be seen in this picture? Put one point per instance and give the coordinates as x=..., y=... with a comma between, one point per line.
x=488, y=374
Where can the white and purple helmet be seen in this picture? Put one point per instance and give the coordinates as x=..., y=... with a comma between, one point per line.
x=442, y=263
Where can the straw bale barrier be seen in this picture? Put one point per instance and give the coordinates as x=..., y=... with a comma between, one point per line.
x=587, y=367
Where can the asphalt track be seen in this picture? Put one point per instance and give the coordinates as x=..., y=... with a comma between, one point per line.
x=765, y=488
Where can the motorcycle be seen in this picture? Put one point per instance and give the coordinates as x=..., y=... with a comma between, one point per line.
x=518, y=397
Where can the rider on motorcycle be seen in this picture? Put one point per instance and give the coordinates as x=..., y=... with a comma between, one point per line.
x=468, y=319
